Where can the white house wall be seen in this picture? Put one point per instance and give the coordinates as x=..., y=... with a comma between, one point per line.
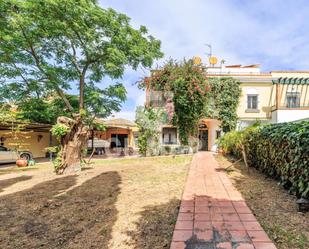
x=280, y=116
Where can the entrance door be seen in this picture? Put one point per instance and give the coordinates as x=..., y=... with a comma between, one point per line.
x=119, y=140
x=203, y=137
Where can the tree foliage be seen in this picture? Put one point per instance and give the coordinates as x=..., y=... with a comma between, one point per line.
x=46, y=46
x=149, y=122
x=45, y=110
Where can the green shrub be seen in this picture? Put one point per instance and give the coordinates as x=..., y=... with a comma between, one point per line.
x=60, y=130
x=282, y=151
x=167, y=149
x=278, y=150
x=230, y=143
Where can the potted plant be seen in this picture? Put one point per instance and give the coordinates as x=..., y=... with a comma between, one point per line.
x=22, y=162
x=167, y=150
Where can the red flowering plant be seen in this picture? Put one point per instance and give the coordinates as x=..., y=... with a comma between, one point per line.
x=185, y=89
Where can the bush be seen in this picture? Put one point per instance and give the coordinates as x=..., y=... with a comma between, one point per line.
x=230, y=143
x=282, y=151
x=60, y=130
x=279, y=150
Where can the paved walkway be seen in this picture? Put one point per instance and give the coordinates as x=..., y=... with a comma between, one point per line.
x=213, y=213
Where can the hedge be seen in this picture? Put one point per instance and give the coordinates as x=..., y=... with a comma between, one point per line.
x=282, y=152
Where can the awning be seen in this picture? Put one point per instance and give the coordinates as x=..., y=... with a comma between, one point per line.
x=291, y=81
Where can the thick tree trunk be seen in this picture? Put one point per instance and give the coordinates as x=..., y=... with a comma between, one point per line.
x=72, y=145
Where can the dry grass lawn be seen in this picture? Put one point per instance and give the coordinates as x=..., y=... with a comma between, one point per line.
x=273, y=207
x=123, y=204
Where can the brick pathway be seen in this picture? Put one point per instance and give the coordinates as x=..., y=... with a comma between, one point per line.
x=213, y=213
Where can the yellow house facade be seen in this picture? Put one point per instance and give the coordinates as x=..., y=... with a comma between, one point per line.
x=32, y=137
x=271, y=97
x=36, y=137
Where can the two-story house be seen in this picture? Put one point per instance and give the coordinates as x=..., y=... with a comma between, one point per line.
x=271, y=97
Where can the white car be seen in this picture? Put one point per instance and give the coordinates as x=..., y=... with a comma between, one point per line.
x=10, y=156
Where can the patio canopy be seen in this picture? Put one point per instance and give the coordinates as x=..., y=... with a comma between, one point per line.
x=26, y=126
x=291, y=81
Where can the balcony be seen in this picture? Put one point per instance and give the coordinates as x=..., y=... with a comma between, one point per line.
x=291, y=100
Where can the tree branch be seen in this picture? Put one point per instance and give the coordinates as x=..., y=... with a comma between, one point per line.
x=24, y=78
x=82, y=86
x=73, y=60
x=38, y=64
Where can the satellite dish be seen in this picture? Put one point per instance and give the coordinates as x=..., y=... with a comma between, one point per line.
x=197, y=60
x=213, y=60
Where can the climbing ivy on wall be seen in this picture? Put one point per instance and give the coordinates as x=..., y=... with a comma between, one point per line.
x=223, y=101
x=195, y=96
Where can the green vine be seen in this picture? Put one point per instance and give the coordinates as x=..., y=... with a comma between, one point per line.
x=223, y=101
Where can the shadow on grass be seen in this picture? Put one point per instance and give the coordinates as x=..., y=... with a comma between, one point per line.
x=155, y=227
x=81, y=218
x=8, y=182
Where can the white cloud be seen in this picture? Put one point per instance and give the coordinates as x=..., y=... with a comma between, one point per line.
x=273, y=33
x=130, y=115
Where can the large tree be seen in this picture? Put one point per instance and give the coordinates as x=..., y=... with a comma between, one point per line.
x=48, y=45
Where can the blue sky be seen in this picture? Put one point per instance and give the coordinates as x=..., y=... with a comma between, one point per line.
x=272, y=33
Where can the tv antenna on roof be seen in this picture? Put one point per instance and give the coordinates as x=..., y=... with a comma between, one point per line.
x=210, y=50
x=212, y=59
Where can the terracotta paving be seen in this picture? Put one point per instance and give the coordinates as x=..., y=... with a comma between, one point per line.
x=213, y=214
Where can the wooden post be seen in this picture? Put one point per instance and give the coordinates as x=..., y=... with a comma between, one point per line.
x=277, y=96
x=243, y=151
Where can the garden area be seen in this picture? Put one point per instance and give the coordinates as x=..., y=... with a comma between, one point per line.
x=123, y=204
x=63, y=68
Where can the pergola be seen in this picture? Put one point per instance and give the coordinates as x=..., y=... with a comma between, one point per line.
x=24, y=126
x=299, y=88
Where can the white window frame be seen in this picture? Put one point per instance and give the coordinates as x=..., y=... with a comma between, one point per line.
x=257, y=101
x=169, y=134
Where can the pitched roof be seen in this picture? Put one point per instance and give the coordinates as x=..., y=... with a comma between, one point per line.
x=119, y=122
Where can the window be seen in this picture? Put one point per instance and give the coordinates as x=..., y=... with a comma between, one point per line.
x=156, y=99
x=169, y=136
x=292, y=99
x=252, y=101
